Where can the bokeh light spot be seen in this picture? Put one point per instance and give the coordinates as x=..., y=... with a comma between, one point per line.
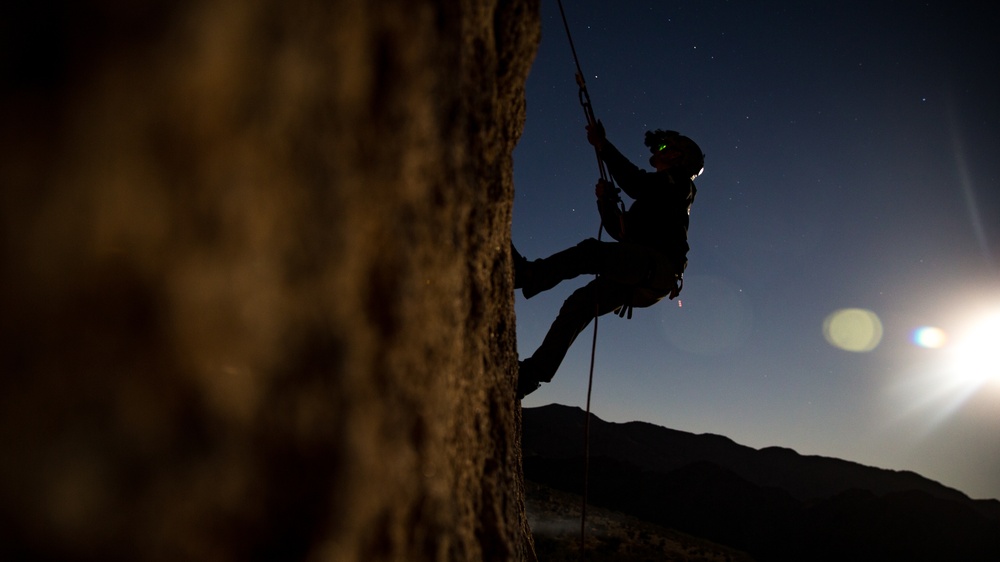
x=853, y=329
x=717, y=317
x=930, y=337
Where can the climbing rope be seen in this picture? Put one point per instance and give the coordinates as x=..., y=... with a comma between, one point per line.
x=583, y=94
x=588, y=111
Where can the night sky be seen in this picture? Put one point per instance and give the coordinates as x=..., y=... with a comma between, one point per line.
x=853, y=165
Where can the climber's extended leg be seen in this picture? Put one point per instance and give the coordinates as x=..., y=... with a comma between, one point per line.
x=600, y=296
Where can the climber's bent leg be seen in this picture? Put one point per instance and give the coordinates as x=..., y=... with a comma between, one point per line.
x=618, y=261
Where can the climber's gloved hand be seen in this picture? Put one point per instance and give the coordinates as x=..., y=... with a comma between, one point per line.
x=595, y=135
x=606, y=191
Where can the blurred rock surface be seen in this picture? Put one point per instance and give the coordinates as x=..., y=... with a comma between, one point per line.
x=255, y=279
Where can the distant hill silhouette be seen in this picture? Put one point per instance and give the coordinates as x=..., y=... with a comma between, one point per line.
x=772, y=503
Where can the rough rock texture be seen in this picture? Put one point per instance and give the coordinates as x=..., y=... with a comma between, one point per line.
x=256, y=294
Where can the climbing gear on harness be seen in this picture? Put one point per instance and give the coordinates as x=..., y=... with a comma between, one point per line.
x=643, y=297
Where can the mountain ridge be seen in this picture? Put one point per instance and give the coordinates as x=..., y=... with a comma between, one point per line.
x=773, y=503
x=717, y=448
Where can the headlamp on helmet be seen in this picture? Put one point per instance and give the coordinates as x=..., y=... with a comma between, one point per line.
x=692, y=160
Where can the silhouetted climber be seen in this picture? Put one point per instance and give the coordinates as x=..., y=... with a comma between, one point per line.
x=645, y=264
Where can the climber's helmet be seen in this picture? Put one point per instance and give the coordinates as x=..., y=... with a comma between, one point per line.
x=672, y=150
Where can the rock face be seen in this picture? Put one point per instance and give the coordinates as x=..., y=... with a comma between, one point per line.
x=256, y=292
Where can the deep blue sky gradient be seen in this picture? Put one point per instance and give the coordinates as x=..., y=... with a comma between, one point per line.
x=853, y=161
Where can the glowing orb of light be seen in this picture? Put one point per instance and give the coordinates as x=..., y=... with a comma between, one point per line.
x=977, y=352
x=853, y=329
x=930, y=337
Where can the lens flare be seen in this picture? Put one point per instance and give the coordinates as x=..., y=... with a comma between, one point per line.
x=964, y=365
x=930, y=337
x=853, y=329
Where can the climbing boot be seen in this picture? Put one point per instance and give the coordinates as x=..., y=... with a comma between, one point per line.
x=521, y=266
x=531, y=276
x=526, y=275
x=526, y=383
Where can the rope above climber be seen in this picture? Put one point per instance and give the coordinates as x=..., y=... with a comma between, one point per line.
x=643, y=265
